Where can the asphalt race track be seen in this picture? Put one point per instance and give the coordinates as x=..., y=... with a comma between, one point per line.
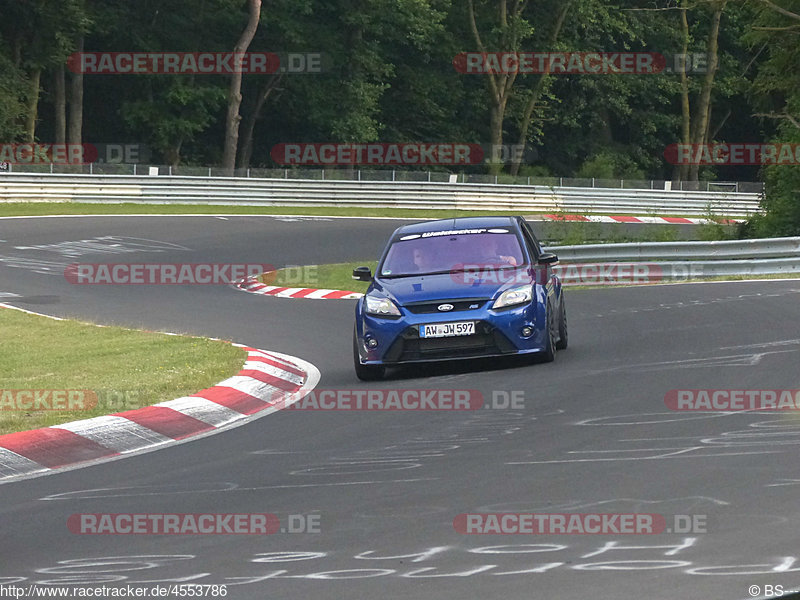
x=593, y=435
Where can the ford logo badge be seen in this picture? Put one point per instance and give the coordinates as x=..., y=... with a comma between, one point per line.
x=445, y=307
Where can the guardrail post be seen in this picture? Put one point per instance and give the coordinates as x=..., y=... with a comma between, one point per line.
x=592, y=181
x=359, y=174
x=91, y=169
x=248, y=172
x=134, y=168
x=323, y=174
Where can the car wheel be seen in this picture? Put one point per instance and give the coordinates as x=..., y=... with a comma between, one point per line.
x=365, y=372
x=563, y=337
x=549, y=354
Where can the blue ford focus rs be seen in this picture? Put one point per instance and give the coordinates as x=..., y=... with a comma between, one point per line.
x=459, y=288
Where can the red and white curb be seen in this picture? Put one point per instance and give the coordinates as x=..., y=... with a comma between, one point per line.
x=254, y=286
x=268, y=382
x=628, y=219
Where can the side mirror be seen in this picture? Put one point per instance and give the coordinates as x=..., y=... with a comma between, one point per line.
x=362, y=274
x=548, y=258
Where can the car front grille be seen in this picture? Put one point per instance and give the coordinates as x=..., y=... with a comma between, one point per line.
x=459, y=304
x=487, y=341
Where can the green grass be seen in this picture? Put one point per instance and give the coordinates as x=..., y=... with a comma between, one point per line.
x=10, y=209
x=86, y=208
x=126, y=369
x=336, y=276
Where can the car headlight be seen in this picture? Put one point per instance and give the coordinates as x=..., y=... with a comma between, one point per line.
x=380, y=306
x=517, y=295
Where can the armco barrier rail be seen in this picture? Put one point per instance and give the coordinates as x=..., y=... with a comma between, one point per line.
x=696, y=259
x=345, y=174
x=372, y=194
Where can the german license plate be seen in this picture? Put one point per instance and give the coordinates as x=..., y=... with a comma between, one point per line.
x=439, y=330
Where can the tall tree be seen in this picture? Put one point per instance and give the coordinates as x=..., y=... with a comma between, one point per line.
x=12, y=96
x=235, y=91
x=776, y=91
x=700, y=122
x=41, y=33
x=538, y=88
x=507, y=31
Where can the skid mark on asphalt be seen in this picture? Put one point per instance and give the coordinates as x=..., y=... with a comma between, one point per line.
x=773, y=344
x=222, y=488
x=734, y=360
x=695, y=303
x=69, y=250
x=108, y=244
x=763, y=437
x=44, y=267
x=636, y=504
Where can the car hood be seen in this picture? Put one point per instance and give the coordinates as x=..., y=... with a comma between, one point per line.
x=450, y=286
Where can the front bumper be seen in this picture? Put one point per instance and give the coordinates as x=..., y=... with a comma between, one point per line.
x=497, y=333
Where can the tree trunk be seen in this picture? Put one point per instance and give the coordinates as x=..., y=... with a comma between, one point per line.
x=75, y=125
x=235, y=91
x=246, y=147
x=681, y=172
x=60, y=104
x=538, y=88
x=703, y=109
x=172, y=154
x=33, y=106
x=500, y=85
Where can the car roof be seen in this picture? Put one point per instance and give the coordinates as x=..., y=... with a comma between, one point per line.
x=458, y=223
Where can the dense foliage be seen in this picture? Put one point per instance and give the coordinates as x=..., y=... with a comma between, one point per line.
x=389, y=77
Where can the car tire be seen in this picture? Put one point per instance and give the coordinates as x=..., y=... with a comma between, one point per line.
x=549, y=353
x=563, y=336
x=365, y=372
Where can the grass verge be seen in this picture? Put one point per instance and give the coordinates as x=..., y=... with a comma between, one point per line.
x=126, y=369
x=338, y=276
x=12, y=209
x=335, y=276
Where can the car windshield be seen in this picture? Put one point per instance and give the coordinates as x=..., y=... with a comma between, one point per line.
x=444, y=252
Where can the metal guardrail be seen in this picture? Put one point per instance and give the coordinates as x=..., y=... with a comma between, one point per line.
x=733, y=249
x=698, y=259
x=345, y=174
x=372, y=194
